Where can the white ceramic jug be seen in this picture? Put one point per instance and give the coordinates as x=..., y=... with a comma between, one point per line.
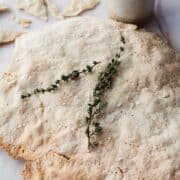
x=130, y=11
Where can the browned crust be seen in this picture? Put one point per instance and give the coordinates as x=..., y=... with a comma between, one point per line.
x=16, y=152
x=10, y=38
x=53, y=166
x=56, y=167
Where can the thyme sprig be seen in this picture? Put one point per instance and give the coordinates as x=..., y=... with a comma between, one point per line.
x=74, y=75
x=96, y=107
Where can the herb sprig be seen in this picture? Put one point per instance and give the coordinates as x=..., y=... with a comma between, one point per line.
x=96, y=107
x=74, y=75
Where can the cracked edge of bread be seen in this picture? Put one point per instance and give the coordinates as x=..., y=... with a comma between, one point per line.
x=55, y=166
x=35, y=8
x=8, y=36
x=53, y=10
x=16, y=152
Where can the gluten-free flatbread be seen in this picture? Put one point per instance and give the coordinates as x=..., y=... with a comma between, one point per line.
x=78, y=6
x=34, y=7
x=141, y=127
x=54, y=11
x=7, y=36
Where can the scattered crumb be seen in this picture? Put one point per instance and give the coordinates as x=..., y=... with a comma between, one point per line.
x=23, y=22
x=78, y=6
x=53, y=10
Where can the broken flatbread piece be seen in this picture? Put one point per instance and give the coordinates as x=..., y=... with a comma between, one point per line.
x=23, y=22
x=139, y=136
x=78, y=6
x=7, y=36
x=3, y=8
x=53, y=10
x=34, y=7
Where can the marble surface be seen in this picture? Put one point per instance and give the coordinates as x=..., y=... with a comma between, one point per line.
x=166, y=22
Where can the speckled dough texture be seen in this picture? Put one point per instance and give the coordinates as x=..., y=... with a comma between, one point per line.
x=141, y=125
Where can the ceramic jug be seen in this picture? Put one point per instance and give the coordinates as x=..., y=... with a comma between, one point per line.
x=130, y=11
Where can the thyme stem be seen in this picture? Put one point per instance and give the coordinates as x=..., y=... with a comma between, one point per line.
x=96, y=107
x=74, y=75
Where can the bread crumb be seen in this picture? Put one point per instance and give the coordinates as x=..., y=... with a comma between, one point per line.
x=23, y=22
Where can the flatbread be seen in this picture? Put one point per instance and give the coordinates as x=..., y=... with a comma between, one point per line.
x=34, y=7
x=7, y=36
x=52, y=8
x=78, y=6
x=23, y=22
x=140, y=137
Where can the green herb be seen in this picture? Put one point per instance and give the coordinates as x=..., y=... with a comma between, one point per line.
x=123, y=40
x=74, y=75
x=105, y=82
x=96, y=107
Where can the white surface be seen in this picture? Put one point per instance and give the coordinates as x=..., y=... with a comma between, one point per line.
x=9, y=168
x=168, y=14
